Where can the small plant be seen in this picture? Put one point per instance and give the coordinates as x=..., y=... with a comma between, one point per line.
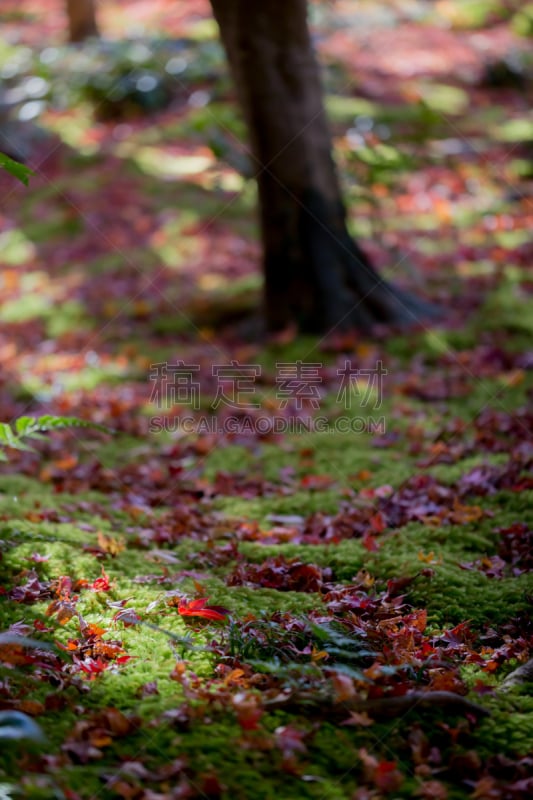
x=19, y=171
x=34, y=427
x=268, y=636
x=280, y=639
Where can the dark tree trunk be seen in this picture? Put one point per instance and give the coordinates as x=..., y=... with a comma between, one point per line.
x=81, y=20
x=315, y=274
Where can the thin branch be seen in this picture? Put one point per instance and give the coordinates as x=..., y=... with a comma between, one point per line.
x=381, y=707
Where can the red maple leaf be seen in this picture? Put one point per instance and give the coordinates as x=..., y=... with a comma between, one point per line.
x=369, y=543
x=101, y=584
x=91, y=666
x=387, y=777
x=378, y=522
x=198, y=608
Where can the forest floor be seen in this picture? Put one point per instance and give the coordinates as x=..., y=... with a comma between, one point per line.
x=248, y=613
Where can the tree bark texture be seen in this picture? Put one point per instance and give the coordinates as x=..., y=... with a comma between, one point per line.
x=315, y=274
x=81, y=19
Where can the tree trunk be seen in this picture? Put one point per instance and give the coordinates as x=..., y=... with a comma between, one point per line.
x=315, y=274
x=81, y=20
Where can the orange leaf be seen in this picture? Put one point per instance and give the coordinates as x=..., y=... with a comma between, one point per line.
x=109, y=544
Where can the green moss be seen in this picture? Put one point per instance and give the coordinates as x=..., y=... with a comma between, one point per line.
x=260, y=508
x=453, y=594
x=16, y=247
x=508, y=507
x=509, y=729
x=345, y=558
x=26, y=308
x=451, y=473
x=509, y=307
x=342, y=109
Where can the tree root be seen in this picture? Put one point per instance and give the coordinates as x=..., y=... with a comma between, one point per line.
x=382, y=707
x=520, y=675
x=384, y=302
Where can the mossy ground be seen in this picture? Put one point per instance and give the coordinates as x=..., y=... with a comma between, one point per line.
x=161, y=512
x=452, y=596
